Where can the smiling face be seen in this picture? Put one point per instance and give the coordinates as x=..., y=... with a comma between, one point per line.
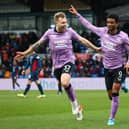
x=60, y=21
x=111, y=24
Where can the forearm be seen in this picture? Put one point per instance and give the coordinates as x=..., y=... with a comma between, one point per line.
x=87, y=43
x=28, y=51
x=36, y=46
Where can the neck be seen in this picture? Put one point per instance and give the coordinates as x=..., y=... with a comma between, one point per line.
x=113, y=32
x=59, y=29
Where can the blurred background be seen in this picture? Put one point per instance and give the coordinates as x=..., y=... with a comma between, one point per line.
x=22, y=22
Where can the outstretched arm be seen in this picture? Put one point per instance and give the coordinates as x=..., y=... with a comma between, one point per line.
x=34, y=47
x=89, y=44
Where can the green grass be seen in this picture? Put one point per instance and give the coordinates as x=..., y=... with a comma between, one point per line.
x=54, y=111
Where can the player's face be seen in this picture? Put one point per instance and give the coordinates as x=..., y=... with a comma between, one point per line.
x=112, y=24
x=61, y=23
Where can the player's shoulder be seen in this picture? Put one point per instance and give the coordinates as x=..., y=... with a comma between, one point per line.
x=123, y=33
x=70, y=30
x=50, y=30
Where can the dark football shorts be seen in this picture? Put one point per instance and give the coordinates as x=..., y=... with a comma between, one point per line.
x=114, y=75
x=67, y=68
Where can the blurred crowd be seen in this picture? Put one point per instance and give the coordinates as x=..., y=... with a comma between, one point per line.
x=87, y=64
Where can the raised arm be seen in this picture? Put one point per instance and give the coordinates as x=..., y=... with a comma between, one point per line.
x=85, y=22
x=34, y=47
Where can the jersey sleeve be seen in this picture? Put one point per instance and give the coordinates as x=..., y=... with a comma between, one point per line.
x=45, y=38
x=74, y=34
x=126, y=45
x=97, y=30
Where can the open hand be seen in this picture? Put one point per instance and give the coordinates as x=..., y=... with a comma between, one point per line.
x=19, y=56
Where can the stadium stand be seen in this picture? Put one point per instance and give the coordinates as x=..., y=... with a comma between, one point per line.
x=64, y=4
x=6, y=6
x=21, y=26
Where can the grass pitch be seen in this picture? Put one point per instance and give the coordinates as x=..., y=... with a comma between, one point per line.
x=54, y=111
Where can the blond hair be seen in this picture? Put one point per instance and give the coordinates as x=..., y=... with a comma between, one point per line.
x=58, y=15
